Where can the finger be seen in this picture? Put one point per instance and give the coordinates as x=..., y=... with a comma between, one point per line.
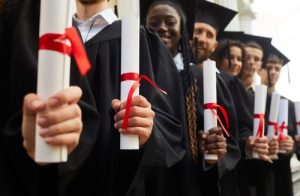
x=52, y=117
x=135, y=122
x=143, y=133
x=202, y=136
x=67, y=139
x=69, y=95
x=261, y=151
x=215, y=138
x=216, y=146
x=216, y=130
x=32, y=104
x=135, y=111
x=116, y=104
x=73, y=125
x=138, y=100
x=264, y=157
x=219, y=152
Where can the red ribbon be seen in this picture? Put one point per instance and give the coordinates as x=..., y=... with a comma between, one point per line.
x=298, y=123
x=276, y=127
x=135, y=77
x=281, y=129
x=55, y=42
x=260, y=131
x=213, y=107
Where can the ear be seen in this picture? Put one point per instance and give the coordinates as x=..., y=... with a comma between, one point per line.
x=215, y=45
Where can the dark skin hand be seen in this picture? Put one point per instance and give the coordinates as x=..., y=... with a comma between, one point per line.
x=213, y=142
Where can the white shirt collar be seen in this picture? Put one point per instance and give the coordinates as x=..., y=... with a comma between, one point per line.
x=178, y=59
x=92, y=26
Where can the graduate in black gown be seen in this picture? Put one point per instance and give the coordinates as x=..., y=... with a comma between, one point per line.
x=209, y=20
x=255, y=175
x=96, y=166
x=281, y=166
x=187, y=177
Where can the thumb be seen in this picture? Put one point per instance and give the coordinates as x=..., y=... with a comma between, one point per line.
x=32, y=104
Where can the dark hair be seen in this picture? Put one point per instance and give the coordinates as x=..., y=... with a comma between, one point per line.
x=189, y=82
x=273, y=58
x=223, y=51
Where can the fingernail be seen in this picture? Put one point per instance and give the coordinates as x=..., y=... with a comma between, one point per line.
x=53, y=102
x=43, y=132
x=115, y=125
x=36, y=103
x=42, y=121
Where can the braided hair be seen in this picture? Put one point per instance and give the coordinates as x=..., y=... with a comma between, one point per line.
x=189, y=81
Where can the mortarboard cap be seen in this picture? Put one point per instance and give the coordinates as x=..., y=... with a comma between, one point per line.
x=230, y=35
x=188, y=7
x=263, y=42
x=213, y=14
x=274, y=51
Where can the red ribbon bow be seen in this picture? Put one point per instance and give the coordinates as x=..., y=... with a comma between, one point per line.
x=213, y=107
x=276, y=127
x=135, y=77
x=281, y=129
x=260, y=131
x=54, y=42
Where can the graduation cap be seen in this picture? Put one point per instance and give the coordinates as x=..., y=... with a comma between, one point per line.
x=230, y=35
x=263, y=42
x=273, y=51
x=213, y=14
x=188, y=7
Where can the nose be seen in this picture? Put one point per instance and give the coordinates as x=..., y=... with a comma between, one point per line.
x=162, y=27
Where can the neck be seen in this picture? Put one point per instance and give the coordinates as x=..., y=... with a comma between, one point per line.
x=86, y=11
x=271, y=89
x=247, y=81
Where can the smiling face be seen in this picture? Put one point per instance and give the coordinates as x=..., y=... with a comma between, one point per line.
x=236, y=58
x=165, y=20
x=207, y=40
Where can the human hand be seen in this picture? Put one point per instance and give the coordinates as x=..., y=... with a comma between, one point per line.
x=287, y=145
x=140, y=118
x=213, y=142
x=259, y=145
x=59, y=119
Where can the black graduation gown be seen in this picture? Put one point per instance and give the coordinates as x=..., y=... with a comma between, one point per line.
x=281, y=167
x=230, y=182
x=255, y=176
x=96, y=166
x=211, y=179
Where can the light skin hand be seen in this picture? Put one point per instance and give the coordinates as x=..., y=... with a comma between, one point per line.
x=59, y=119
x=287, y=144
x=213, y=142
x=273, y=145
x=140, y=118
x=259, y=145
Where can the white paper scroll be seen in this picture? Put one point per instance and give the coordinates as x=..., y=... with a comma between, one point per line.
x=53, y=70
x=259, y=108
x=130, y=16
x=273, y=115
x=297, y=113
x=283, y=117
x=210, y=96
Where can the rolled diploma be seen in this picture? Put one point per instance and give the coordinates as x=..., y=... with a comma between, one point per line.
x=259, y=108
x=130, y=61
x=53, y=72
x=273, y=115
x=210, y=96
x=297, y=113
x=283, y=117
